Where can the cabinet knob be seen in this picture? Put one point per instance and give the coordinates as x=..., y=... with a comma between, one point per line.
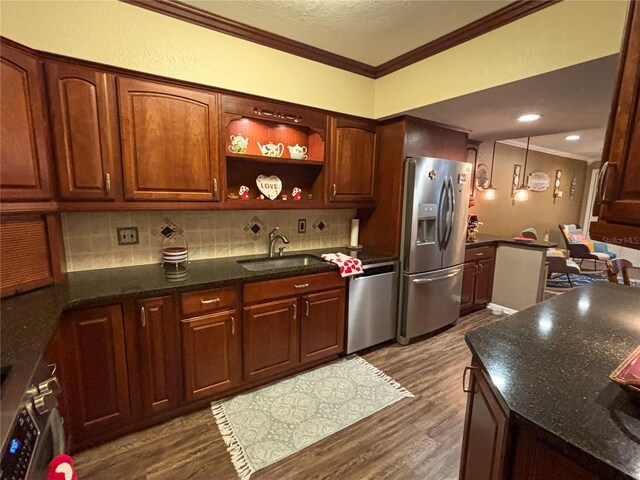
x=479, y=254
x=143, y=317
x=44, y=402
x=107, y=182
x=306, y=308
x=215, y=187
x=295, y=310
x=334, y=190
x=301, y=285
x=233, y=325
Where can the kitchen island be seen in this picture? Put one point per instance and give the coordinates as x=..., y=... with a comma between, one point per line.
x=540, y=402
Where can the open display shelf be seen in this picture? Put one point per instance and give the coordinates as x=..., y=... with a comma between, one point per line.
x=282, y=160
x=306, y=176
x=265, y=132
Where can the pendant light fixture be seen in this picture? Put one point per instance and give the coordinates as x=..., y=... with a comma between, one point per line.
x=490, y=191
x=522, y=193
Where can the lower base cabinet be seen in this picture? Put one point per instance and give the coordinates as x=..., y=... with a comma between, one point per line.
x=211, y=354
x=485, y=431
x=132, y=364
x=270, y=338
x=152, y=333
x=497, y=447
x=477, y=279
x=322, y=325
x=93, y=363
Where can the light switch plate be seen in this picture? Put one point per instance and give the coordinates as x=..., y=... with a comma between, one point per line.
x=302, y=225
x=127, y=235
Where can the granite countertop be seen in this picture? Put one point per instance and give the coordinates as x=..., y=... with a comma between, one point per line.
x=484, y=239
x=29, y=319
x=550, y=365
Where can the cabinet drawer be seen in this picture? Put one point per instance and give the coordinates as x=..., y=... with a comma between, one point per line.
x=480, y=253
x=285, y=287
x=205, y=301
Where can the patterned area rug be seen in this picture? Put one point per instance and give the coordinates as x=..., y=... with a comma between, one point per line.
x=578, y=280
x=269, y=424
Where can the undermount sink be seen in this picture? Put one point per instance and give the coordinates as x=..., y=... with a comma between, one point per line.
x=262, y=264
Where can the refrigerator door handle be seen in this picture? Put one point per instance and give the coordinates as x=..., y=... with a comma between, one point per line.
x=429, y=280
x=441, y=226
x=452, y=205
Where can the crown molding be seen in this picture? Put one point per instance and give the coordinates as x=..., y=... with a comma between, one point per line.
x=551, y=151
x=188, y=13
x=501, y=17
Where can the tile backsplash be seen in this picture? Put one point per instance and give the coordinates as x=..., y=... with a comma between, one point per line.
x=91, y=242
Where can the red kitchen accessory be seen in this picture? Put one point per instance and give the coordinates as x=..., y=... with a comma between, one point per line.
x=348, y=265
x=61, y=468
x=628, y=373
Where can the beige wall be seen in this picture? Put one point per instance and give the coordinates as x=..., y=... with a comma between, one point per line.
x=564, y=34
x=116, y=33
x=90, y=239
x=503, y=216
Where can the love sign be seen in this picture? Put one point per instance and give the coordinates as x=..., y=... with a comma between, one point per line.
x=269, y=186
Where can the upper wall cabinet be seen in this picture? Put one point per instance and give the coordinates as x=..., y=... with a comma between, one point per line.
x=169, y=141
x=352, y=160
x=24, y=170
x=619, y=198
x=83, y=113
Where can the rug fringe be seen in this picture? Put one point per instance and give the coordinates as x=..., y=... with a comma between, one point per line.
x=380, y=374
x=238, y=456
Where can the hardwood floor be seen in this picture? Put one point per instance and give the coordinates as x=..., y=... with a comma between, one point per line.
x=416, y=438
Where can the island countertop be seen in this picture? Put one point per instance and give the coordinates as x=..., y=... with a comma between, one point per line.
x=550, y=363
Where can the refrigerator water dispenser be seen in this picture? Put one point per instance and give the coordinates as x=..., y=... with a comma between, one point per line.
x=427, y=216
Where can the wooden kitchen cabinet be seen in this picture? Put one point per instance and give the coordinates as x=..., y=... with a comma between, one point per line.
x=485, y=431
x=94, y=364
x=154, y=355
x=322, y=325
x=477, y=279
x=352, y=160
x=83, y=108
x=24, y=137
x=211, y=352
x=169, y=141
x=270, y=338
x=618, y=202
x=468, y=286
x=292, y=321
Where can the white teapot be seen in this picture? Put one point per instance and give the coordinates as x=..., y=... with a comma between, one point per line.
x=298, y=152
x=239, y=144
x=271, y=149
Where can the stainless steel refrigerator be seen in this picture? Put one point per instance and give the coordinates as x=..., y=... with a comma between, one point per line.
x=436, y=200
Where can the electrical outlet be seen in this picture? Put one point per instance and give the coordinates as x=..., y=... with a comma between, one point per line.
x=127, y=235
x=302, y=225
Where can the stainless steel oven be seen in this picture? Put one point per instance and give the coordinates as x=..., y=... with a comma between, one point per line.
x=32, y=432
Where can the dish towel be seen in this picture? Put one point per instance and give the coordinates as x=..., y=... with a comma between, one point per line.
x=348, y=265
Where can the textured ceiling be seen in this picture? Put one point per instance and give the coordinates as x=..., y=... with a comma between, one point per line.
x=572, y=99
x=370, y=31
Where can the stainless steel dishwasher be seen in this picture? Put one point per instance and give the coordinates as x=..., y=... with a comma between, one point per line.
x=373, y=297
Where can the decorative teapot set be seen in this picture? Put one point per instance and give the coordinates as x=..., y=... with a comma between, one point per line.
x=239, y=144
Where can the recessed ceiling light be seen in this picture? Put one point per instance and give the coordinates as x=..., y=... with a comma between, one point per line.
x=572, y=138
x=529, y=117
